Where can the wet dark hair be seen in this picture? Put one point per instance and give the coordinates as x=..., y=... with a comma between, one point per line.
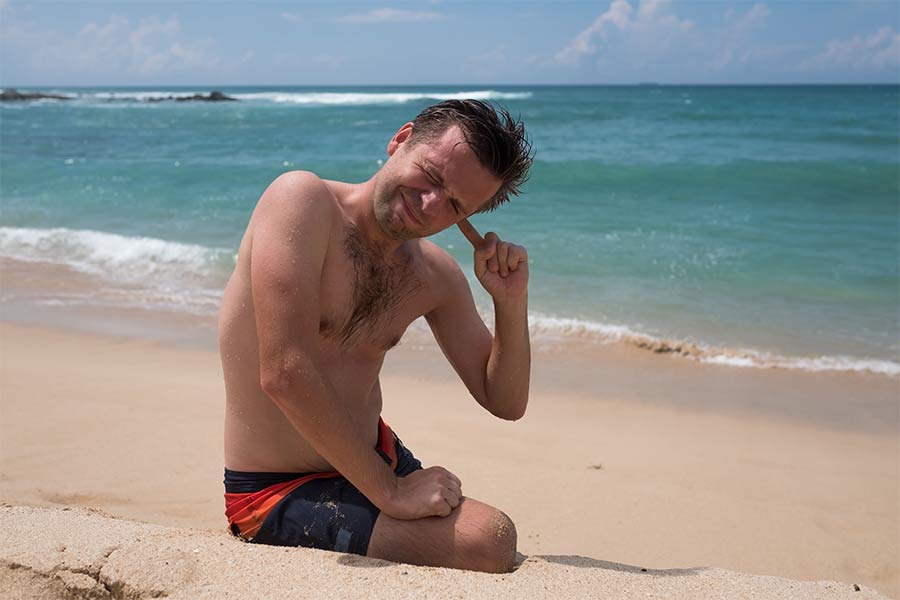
x=498, y=141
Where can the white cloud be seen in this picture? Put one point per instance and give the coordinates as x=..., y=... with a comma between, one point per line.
x=649, y=39
x=877, y=51
x=650, y=7
x=292, y=17
x=735, y=37
x=650, y=31
x=384, y=15
x=618, y=15
x=152, y=47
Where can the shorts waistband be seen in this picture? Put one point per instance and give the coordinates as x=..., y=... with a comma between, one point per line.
x=251, y=496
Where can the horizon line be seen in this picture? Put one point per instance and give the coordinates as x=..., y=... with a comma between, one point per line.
x=472, y=85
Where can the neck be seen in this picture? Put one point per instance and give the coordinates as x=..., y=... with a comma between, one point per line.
x=357, y=204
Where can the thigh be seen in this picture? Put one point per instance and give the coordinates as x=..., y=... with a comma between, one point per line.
x=329, y=514
x=473, y=536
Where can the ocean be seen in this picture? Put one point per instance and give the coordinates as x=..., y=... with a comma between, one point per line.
x=755, y=226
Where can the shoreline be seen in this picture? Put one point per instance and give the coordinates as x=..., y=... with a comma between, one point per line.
x=856, y=400
x=40, y=292
x=134, y=428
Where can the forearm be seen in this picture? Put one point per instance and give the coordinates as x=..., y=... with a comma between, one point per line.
x=311, y=405
x=508, y=371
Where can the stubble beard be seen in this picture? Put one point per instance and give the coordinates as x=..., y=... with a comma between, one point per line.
x=384, y=214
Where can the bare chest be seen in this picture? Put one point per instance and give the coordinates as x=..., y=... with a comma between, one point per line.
x=367, y=302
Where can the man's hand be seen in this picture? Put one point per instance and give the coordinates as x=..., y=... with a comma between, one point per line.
x=431, y=492
x=501, y=267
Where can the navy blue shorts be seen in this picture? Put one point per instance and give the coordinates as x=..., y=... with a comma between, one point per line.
x=329, y=513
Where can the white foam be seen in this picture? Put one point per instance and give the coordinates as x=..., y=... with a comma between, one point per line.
x=751, y=358
x=138, y=96
x=121, y=99
x=132, y=258
x=544, y=327
x=155, y=273
x=364, y=98
x=560, y=329
x=141, y=271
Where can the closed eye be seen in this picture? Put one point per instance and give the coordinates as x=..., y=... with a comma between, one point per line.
x=431, y=177
x=440, y=183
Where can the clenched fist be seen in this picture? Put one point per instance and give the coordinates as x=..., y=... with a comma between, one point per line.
x=501, y=267
x=431, y=492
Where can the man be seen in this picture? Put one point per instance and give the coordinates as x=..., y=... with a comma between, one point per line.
x=328, y=277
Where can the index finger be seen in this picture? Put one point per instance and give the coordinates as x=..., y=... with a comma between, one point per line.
x=471, y=233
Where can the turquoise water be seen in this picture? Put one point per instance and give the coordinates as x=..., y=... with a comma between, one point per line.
x=757, y=225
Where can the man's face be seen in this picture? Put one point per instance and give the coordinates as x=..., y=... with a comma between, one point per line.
x=429, y=186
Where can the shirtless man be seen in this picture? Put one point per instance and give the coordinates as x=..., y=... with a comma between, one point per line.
x=328, y=277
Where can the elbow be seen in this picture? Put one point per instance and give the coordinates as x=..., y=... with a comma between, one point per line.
x=511, y=413
x=509, y=407
x=277, y=382
x=284, y=376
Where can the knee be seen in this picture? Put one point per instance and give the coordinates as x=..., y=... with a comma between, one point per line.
x=495, y=547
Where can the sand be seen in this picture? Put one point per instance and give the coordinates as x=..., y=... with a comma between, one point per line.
x=74, y=553
x=602, y=478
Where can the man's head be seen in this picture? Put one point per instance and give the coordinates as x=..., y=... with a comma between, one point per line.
x=454, y=159
x=498, y=141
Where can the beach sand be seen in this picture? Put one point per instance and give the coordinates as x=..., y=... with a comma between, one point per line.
x=625, y=460
x=57, y=553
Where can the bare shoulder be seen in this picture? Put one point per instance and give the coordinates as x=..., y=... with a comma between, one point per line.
x=292, y=224
x=441, y=271
x=298, y=195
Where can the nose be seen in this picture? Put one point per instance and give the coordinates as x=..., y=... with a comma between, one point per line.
x=432, y=200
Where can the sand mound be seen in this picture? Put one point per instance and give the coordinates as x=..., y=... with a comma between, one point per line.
x=76, y=553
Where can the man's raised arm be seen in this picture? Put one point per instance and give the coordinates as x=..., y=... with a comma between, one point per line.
x=291, y=230
x=496, y=370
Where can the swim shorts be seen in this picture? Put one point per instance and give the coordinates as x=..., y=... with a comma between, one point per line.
x=313, y=510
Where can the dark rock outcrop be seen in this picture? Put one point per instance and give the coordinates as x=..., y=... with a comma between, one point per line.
x=12, y=94
x=215, y=96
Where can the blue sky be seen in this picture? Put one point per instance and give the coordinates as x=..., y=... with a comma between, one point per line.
x=196, y=42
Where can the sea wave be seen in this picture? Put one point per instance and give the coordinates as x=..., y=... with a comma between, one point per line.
x=556, y=329
x=137, y=96
x=112, y=99
x=115, y=256
x=154, y=273
x=136, y=271
x=364, y=98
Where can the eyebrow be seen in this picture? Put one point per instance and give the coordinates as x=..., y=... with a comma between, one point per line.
x=432, y=170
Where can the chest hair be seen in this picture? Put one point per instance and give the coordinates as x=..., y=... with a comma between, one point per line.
x=379, y=289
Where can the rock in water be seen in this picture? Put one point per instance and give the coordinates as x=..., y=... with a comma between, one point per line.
x=15, y=95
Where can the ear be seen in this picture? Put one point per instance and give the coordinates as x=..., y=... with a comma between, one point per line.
x=401, y=136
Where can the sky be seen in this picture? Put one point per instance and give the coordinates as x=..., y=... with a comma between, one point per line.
x=428, y=42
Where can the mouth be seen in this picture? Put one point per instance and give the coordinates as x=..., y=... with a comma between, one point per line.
x=409, y=210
